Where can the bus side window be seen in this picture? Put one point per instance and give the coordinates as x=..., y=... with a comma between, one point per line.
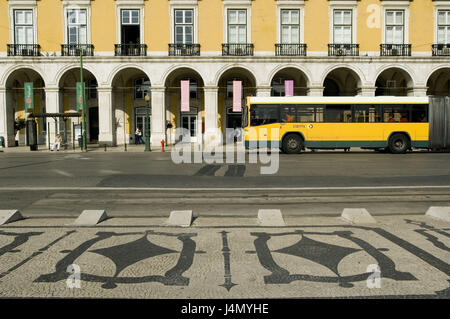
x=336, y=113
x=420, y=113
x=288, y=114
x=319, y=114
x=305, y=113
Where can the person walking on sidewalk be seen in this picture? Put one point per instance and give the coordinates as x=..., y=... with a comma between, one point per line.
x=58, y=140
x=138, y=136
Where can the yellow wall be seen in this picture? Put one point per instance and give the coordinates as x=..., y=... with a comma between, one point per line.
x=211, y=25
x=369, y=25
x=317, y=27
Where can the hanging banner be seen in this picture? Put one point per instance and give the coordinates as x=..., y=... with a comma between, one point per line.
x=289, y=87
x=80, y=89
x=185, y=96
x=237, y=96
x=28, y=97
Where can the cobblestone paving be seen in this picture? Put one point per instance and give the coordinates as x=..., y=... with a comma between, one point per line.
x=226, y=258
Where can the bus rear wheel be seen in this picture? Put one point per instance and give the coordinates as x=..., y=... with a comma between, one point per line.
x=398, y=144
x=292, y=144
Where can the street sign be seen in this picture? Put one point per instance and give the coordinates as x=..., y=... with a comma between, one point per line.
x=28, y=96
x=80, y=89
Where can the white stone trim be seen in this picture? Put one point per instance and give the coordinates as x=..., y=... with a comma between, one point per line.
x=22, y=5
x=344, y=5
x=132, y=5
x=237, y=4
x=77, y=4
x=183, y=4
x=295, y=5
x=395, y=5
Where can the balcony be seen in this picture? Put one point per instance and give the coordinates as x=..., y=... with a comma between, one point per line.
x=24, y=50
x=77, y=49
x=284, y=49
x=130, y=49
x=395, y=49
x=237, y=49
x=335, y=49
x=441, y=49
x=181, y=49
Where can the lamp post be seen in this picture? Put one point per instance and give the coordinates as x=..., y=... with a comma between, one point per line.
x=147, y=123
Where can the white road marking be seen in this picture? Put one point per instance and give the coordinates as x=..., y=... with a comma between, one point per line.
x=88, y=188
x=60, y=172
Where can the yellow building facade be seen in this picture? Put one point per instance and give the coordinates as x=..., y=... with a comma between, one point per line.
x=134, y=48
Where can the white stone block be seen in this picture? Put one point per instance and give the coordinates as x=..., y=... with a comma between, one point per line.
x=358, y=216
x=270, y=217
x=439, y=212
x=181, y=218
x=9, y=216
x=91, y=217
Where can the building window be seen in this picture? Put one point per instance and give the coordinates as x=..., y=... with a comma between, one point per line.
x=130, y=26
x=342, y=26
x=443, y=34
x=76, y=26
x=141, y=88
x=290, y=26
x=184, y=26
x=23, y=27
x=237, y=26
x=278, y=87
x=395, y=26
x=92, y=89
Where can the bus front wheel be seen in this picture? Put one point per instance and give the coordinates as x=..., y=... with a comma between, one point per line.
x=398, y=144
x=292, y=144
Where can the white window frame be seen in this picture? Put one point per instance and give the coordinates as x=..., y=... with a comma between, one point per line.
x=183, y=24
x=343, y=5
x=75, y=5
x=439, y=5
x=238, y=5
x=291, y=5
x=184, y=5
x=395, y=5
x=68, y=24
x=130, y=5
x=22, y=5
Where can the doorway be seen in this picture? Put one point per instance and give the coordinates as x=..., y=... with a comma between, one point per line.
x=140, y=115
x=189, y=123
x=93, y=124
x=234, y=121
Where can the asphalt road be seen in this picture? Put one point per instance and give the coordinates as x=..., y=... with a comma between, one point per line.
x=143, y=184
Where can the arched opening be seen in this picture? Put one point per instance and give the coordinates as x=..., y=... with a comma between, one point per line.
x=68, y=103
x=394, y=82
x=341, y=82
x=439, y=83
x=193, y=120
x=226, y=117
x=129, y=88
x=299, y=78
x=15, y=106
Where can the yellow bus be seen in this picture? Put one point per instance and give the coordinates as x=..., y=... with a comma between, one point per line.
x=397, y=124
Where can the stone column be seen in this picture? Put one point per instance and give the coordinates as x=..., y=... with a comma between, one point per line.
x=158, y=118
x=315, y=90
x=106, y=117
x=212, y=131
x=6, y=120
x=51, y=106
x=367, y=91
x=420, y=90
x=263, y=91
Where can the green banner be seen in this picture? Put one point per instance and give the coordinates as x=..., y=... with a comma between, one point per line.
x=80, y=89
x=28, y=96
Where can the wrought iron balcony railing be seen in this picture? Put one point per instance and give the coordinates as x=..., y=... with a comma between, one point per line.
x=395, y=49
x=77, y=49
x=441, y=49
x=285, y=49
x=24, y=50
x=237, y=49
x=133, y=49
x=181, y=49
x=346, y=49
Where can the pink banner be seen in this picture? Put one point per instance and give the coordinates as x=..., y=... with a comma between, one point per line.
x=289, y=87
x=237, y=96
x=185, y=96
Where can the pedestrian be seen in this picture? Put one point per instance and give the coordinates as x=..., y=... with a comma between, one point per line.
x=138, y=136
x=58, y=140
